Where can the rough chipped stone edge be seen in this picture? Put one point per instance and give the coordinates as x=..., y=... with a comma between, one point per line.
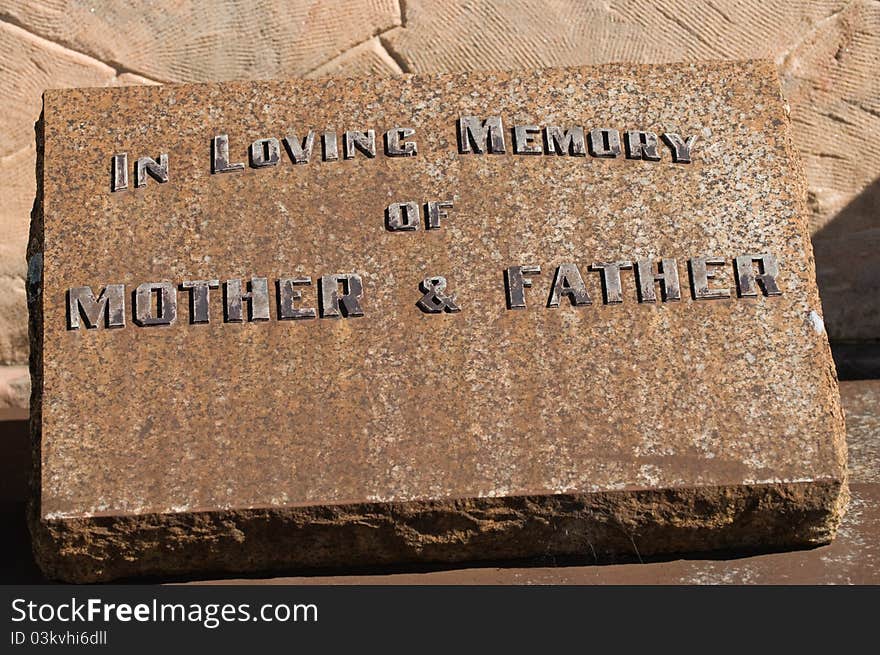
x=600, y=527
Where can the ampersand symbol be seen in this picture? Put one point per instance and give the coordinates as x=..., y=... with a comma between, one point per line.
x=435, y=300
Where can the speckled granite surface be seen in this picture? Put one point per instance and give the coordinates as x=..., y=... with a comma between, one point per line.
x=404, y=436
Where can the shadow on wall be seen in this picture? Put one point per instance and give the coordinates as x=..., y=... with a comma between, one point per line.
x=847, y=253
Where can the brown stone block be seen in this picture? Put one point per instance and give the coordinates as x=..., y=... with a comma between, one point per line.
x=384, y=433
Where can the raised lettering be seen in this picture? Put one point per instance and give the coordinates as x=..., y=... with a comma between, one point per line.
x=393, y=145
x=199, y=297
x=527, y=140
x=700, y=276
x=220, y=156
x=166, y=304
x=147, y=165
x=641, y=145
x=568, y=282
x=516, y=283
x=611, y=285
x=300, y=152
x=402, y=216
x=257, y=298
x=333, y=305
x=667, y=276
x=605, y=143
x=479, y=136
x=330, y=146
x=681, y=148
x=363, y=141
x=265, y=152
x=288, y=297
x=81, y=304
x=746, y=278
x=569, y=142
x=434, y=211
x=119, y=172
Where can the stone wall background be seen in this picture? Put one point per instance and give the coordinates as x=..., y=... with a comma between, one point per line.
x=827, y=53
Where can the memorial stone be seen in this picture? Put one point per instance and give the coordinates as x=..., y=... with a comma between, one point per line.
x=556, y=313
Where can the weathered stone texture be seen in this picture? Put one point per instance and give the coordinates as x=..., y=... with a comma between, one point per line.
x=402, y=436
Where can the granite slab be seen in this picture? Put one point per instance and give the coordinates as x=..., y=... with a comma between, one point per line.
x=446, y=318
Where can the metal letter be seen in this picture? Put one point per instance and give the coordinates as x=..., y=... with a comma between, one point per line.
x=527, y=140
x=220, y=156
x=166, y=304
x=516, y=283
x=641, y=145
x=605, y=143
x=568, y=282
x=257, y=298
x=265, y=152
x=681, y=150
x=363, y=141
x=331, y=304
x=700, y=277
x=611, y=285
x=401, y=216
x=199, y=295
x=746, y=276
x=288, y=296
x=158, y=171
x=110, y=304
x=393, y=146
x=668, y=278
x=434, y=299
x=331, y=146
x=478, y=135
x=300, y=153
x=434, y=211
x=570, y=142
x=119, y=172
